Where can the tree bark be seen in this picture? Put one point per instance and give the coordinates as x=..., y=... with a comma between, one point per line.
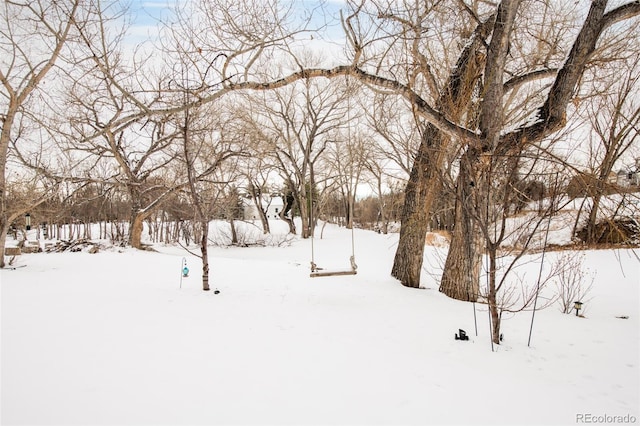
x=422, y=187
x=234, y=232
x=461, y=275
x=492, y=298
x=138, y=216
x=135, y=229
x=204, y=252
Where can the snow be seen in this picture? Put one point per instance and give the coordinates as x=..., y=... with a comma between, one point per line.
x=111, y=339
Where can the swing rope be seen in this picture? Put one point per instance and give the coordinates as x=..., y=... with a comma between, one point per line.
x=352, y=259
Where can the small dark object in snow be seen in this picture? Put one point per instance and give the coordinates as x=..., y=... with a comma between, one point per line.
x=462, y=336
x=501, y=336
x=623, y=317
x=216, y=291
x=14, y=267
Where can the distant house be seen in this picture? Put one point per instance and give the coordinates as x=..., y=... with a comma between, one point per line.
x=273, y=205
x=628, y=178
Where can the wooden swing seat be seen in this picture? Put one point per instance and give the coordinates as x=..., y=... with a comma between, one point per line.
x=315, y=274
x=319, y=272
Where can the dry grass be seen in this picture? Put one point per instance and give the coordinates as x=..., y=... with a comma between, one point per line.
x=437, y=239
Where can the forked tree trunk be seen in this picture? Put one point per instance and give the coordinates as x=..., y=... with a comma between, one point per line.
x=464, y=259
x=289, y=221
x=135, y=229
x=461, y=275
x=256, y=196
x=425, y=181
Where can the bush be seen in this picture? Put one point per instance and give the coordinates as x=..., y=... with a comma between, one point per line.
x=616, y=231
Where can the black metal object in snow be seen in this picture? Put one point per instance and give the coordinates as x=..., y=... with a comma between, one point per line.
x=462, y=335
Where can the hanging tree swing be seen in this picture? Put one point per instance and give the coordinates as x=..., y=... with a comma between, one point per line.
x=316, y=271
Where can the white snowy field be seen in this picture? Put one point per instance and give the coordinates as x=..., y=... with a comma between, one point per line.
x=111, y=339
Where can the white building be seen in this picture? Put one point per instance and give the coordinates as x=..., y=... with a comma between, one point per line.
x=627, y=178
x=273, y=205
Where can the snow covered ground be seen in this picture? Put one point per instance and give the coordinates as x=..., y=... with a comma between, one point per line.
x=111, y=339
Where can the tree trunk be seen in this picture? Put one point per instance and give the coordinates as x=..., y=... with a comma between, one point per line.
x=306, y=216
x=289, y=221
x=135, y=230
x=461, y=275
x=4, y=228
x=492, y=298
x=266, y=229
x=137, y=216
x=421, y=189
x=5, y=137
x=204, y=244
x=288, y=200
x=592, y=220
x=256, y=196
x=234, y=232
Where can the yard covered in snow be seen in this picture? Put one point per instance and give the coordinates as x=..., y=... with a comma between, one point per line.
x=111, y=338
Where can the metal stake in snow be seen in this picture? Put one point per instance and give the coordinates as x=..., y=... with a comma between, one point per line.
x=184, y=271
x=550, y=212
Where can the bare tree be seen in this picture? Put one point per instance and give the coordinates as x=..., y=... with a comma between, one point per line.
x=112, y=121
x=204, y=154
x=139, y=153
x=376, y=169
x=258, y=168
x=504, y=243
x=615, y=123
x=347, y=161
x=300, y=122
x=33, y=37
x=260, y=195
